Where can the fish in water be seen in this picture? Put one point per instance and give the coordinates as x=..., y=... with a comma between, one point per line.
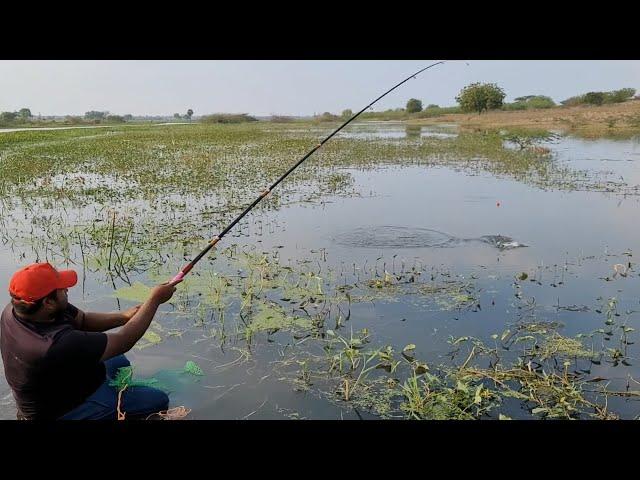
x=501, y=242
x=404, y=237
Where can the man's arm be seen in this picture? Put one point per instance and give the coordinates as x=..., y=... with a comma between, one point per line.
x=124, y=339
x=101, y=322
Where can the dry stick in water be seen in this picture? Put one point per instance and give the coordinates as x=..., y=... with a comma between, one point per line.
x=113, y=226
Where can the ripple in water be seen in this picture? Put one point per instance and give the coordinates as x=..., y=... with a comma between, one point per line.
x=405, y=237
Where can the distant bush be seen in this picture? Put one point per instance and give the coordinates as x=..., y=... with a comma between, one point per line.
x=540, y=101
x=228, y=118
x=73, y=120
x=434, y=111
x=115, y=119
x=281, y=119
x=619, y=96
x=385, y=115
x=326, y=117
x=23, y=116
x=573, y=101
x=514, y=106
x=530, y=101
x=94, y=115
x=8, y=117
x=594, y=98
x=599, y=98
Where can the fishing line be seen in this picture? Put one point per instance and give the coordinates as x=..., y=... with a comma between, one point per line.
x=187, y=268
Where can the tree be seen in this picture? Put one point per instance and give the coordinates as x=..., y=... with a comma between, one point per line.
x=619, y=96
x=8, y=116
x=414, y=105
x=94, y=115
x=326, y=117
x=25, y=113
x=594, y=98
x=347, y=113
x=189, y=114
x=479, y=97
x=176, y=116
x=128, y=117
x=531, y=101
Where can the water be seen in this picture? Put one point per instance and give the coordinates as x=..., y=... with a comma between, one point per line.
x=388, y=130
x=449, y=221
x=389, y=236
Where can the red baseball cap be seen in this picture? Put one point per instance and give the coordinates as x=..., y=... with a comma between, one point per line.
x=38, y=280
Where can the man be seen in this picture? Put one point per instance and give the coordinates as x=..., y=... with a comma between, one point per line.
x=56, y=359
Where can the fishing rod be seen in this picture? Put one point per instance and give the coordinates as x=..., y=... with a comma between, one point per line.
x=187, y=268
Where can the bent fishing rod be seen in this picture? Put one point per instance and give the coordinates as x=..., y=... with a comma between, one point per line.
x=186, y=269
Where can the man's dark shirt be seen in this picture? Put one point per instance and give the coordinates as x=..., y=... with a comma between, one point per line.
x=51, y=367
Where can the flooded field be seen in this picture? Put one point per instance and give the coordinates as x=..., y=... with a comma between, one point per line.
x=404, y=272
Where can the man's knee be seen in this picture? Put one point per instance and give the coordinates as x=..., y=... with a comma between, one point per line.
x=158, y=400
x=146, y=400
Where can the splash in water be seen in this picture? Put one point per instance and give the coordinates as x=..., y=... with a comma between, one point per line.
x=404, y=237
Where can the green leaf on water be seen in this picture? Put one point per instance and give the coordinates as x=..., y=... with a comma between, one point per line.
x=411, y=346
x=137, y=292
x=505, y=334
x=503, y=417
x=272, y=316
x=152, y=337
x=523, y=276
x=193, y=368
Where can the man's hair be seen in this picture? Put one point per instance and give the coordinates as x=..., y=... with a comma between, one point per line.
x=29, y=308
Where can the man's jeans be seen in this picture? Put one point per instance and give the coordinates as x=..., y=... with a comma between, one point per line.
x=137, y=402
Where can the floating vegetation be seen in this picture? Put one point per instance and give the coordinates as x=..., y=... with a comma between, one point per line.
x=150, y=338
x=137, y=292
x=272, y=317
x=193, y=368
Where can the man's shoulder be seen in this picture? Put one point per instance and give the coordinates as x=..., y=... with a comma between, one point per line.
x=7, y=318
x=7, y=311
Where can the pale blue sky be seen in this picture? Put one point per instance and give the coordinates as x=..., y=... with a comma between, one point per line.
x=289, y=87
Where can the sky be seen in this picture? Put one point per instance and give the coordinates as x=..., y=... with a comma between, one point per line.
x=291, y=87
